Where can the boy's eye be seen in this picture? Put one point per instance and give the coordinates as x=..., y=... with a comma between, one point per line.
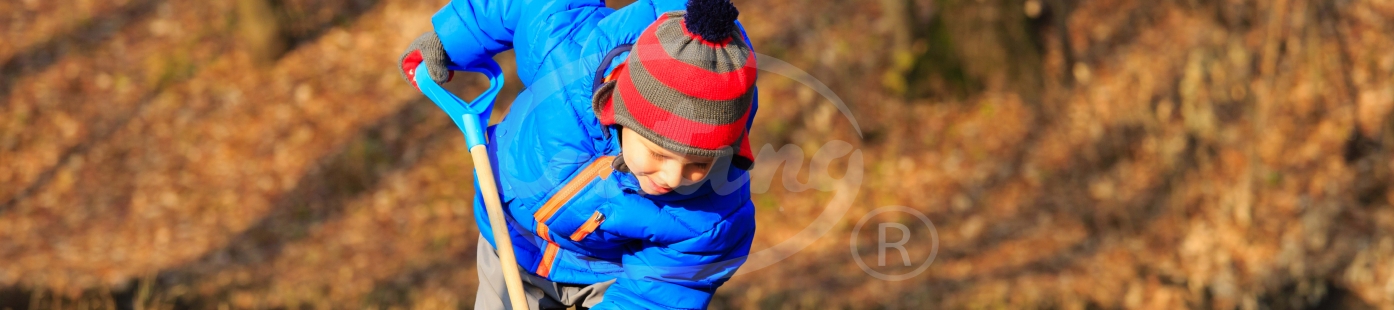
x=656, y=154
x=700, y=165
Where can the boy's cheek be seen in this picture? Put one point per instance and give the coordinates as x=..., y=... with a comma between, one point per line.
x=696, y=179
x=635, y=164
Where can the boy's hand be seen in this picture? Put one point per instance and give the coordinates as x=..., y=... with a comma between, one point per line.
x=426, y=48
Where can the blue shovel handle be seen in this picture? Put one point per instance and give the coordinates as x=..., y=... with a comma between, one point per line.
x=470, y=116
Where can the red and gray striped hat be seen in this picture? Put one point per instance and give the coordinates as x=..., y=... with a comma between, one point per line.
x=687, y=84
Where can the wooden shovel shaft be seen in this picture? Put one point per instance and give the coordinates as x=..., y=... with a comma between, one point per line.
x=484, y=170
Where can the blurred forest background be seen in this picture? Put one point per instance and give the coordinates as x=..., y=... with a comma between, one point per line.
x=1072, y=154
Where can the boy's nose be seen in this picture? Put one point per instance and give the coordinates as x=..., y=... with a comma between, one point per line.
x=670, y=176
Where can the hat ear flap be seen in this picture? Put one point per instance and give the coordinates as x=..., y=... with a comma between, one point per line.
x=602, y=104
x=745, y=157
x=618, y=164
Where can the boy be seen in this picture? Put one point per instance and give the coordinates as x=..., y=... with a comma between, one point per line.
x=621, y=165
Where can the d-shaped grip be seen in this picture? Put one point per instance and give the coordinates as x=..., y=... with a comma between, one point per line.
x=470, y=116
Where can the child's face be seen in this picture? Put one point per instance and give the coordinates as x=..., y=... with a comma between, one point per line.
x=659, y=170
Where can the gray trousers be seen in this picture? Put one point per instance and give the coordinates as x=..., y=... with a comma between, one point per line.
x=541, y=293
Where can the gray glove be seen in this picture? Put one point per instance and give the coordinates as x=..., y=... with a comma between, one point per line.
x=426, y=48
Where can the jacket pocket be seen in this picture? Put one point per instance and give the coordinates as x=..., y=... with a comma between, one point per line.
x=598, y=168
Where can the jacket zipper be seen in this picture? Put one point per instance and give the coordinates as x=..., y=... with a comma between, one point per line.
x=588, y=227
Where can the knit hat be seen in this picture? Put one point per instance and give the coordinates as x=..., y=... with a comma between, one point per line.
x=687, y=84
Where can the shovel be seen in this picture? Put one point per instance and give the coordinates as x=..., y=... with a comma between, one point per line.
x=471, y=117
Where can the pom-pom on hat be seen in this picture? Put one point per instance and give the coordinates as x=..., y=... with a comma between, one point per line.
x=687, y=84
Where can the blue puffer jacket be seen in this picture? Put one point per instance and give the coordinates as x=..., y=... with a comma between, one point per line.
x=669, y=251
